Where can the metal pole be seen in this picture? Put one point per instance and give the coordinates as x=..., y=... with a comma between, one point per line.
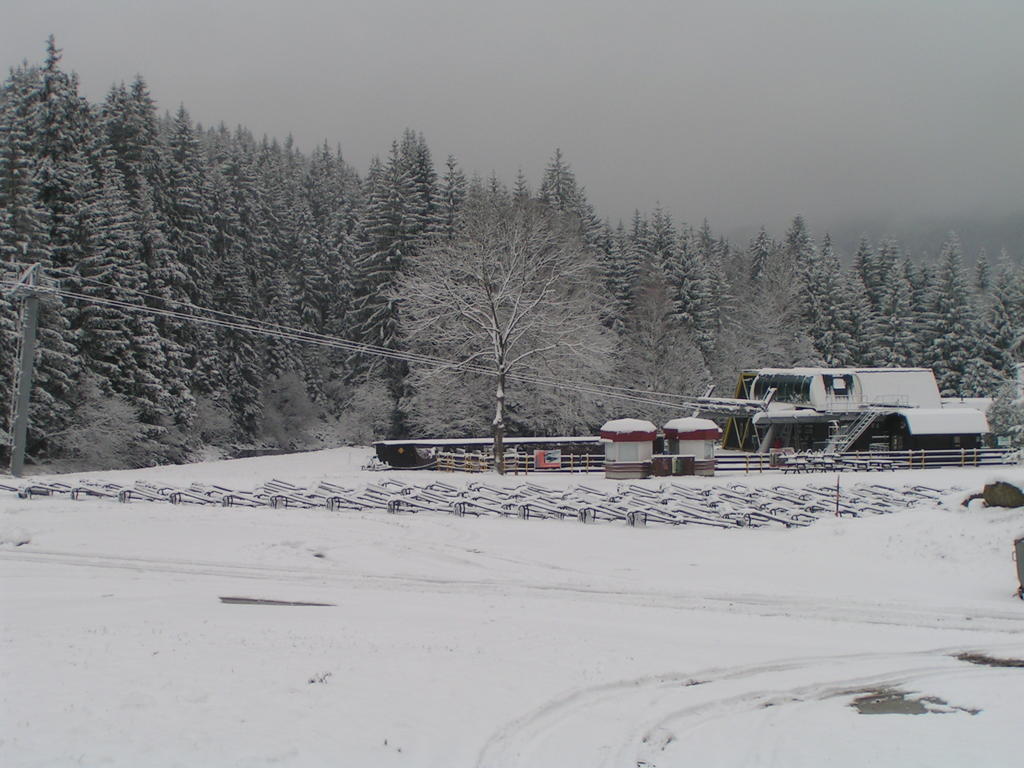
x=30, y=318
x=1018, y=555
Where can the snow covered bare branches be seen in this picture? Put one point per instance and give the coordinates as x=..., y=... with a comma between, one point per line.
x=512, y=294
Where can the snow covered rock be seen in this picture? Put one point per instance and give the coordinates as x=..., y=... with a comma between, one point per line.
x=999, y=494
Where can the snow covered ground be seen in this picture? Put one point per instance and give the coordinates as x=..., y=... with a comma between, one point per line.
x=502, y=642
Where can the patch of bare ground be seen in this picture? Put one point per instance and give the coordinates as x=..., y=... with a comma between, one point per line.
x=890, y=701
x=989, y=661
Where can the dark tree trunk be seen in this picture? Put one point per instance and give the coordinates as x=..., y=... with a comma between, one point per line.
x=499, y=424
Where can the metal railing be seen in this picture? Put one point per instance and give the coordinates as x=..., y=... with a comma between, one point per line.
x=753, y=463
x=872, y=460
x=859, y=401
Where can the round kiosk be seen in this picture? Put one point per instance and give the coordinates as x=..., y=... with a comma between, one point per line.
x=628, y=447
x=693, y=437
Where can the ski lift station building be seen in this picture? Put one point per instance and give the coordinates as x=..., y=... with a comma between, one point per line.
x=841, y=409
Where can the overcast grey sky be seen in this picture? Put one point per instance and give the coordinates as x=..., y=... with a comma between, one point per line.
x=744, y=111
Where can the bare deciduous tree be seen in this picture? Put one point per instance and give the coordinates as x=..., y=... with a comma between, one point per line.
x=512, y=296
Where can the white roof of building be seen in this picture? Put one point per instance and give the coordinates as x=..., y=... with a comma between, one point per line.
x=945, y=421
x=626, y=426
x=898, y=387
x=690, y=424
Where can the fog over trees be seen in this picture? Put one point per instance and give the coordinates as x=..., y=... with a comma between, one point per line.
x=133, y=209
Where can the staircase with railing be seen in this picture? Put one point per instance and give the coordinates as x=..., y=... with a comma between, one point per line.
x=847, y=435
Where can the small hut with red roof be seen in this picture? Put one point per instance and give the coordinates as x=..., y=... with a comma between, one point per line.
x=628, y=447
x=693, y=437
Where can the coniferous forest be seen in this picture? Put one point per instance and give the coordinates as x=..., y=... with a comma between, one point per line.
x=169, y=241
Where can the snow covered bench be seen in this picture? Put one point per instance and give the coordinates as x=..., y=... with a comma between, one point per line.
x=43, y=489
x=142, y=492
x=794, y=464
x=97, y=490
x=244, y=499
x=475, y=507
x=191, y=496
x=687, y=516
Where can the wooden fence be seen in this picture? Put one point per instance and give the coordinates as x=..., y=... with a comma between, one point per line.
x=518, y=463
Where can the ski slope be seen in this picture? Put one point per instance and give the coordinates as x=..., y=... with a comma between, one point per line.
x=452, y=641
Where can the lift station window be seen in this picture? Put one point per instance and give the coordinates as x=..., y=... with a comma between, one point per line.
x=839, y=386
x=789, y=388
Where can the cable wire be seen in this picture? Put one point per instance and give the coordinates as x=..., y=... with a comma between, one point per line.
x=252, y=325
x=359, y=347
x=274, y=330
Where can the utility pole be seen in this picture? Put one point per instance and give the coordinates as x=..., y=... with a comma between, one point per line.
x=27, y=290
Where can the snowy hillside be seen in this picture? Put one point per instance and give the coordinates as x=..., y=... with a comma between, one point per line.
x=448, y=641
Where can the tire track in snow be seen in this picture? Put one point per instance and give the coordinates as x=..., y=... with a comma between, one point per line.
x=515, y=743
x=765, y=606
x=644, y=745
x=628, y=722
